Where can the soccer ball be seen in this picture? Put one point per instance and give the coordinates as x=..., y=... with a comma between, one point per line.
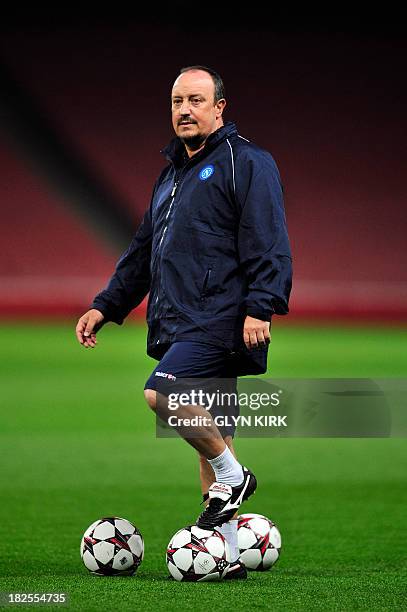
x=197, y=555
x=259, y=541
x=112, y=547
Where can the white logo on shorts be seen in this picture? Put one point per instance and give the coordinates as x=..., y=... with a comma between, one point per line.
x=165, y=375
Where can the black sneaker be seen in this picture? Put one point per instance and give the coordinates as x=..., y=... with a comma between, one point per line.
x=236, y=571
x=225, y=500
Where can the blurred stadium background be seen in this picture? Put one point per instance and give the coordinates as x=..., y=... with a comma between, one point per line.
x=85, y=112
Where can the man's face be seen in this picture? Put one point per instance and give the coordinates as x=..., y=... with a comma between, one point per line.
x=194, y=112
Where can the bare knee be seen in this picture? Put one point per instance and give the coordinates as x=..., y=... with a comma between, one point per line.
x=151, y=398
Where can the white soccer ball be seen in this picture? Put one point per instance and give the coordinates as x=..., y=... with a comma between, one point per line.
x=197, y=555
x=112, y=546
x=259, y=541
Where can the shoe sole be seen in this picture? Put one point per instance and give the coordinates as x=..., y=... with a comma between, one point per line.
x=238, y=575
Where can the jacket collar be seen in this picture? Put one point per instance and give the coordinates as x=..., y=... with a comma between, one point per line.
x=175, y=150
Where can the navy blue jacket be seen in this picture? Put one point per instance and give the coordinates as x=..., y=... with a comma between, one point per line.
x=211, y=249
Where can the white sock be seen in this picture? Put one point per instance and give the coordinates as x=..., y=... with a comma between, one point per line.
x=229, y=532
x=227, y=469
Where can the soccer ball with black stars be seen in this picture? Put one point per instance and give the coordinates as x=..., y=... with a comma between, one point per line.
x=197, y=555
x=112, y=546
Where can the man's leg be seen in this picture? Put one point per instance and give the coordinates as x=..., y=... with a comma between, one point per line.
x=206, y=473
x=184, y=362
x=206, y=439
x=234, y=483
x=228, y=529
x=212, y=449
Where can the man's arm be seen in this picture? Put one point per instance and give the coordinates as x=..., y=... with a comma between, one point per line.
x=126, y=289
x=263, y=246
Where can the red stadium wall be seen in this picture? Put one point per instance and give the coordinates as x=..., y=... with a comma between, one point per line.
x=328, y=107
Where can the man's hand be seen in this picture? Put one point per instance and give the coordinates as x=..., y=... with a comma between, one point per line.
x=85, y=330
x=256, y=332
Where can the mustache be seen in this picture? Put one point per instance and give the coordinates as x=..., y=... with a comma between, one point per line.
x=186, y=120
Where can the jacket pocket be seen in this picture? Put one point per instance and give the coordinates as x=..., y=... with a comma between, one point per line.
x=206, y=285
x=201, y=226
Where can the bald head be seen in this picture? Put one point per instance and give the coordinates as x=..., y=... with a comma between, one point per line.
x=198, y=79
x=216, y=78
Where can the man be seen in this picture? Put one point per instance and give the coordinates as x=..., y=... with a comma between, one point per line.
x=213, y=253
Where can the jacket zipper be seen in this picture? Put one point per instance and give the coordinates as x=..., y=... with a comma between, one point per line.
x=172, y=195
x=174, y=189
x=189, y=163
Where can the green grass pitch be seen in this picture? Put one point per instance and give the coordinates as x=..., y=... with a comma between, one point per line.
x=78, y=443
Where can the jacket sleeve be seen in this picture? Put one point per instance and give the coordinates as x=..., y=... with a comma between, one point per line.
x=131, y=281
x=263, y=243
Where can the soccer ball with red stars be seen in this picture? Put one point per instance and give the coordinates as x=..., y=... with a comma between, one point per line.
x=259, y=541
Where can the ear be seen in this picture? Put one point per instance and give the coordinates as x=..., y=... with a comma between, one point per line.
x=219, y=106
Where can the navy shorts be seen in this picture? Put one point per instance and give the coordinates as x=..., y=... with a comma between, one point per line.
x=207, y=362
